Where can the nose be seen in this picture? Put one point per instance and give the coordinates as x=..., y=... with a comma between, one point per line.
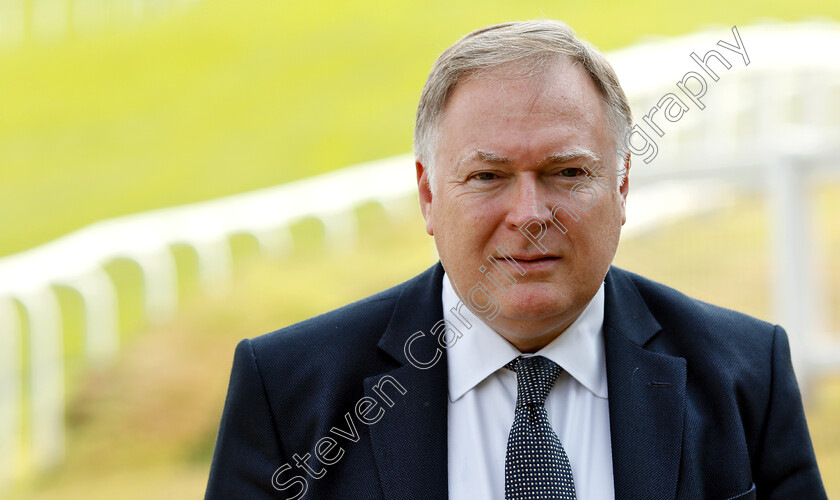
x=528, y=203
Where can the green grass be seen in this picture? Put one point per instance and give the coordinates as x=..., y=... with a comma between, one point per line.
x=233, y=96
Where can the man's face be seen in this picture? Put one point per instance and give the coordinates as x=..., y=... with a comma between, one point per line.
x=510, y=148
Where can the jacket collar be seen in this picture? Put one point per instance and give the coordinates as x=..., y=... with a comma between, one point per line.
x=409, y=443
x=625, y=310
x=418, y=309
x=647, y=393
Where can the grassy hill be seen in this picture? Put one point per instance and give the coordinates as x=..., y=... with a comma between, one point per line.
x=232, y=96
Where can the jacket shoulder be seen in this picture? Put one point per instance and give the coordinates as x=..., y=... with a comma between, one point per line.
x=351, y=332
x=354, y=328
x=672, y=307
x=717, y=343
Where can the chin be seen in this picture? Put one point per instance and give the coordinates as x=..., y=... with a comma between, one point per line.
x=533, y=302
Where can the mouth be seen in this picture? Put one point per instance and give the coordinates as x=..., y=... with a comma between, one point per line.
x=534, y=258
x=533, y=263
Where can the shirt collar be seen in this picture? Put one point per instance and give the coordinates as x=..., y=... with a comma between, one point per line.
x=480, y=351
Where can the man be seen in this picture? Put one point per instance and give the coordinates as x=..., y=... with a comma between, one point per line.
x=522, y=365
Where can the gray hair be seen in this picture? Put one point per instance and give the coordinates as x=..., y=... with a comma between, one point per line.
x=530, y=47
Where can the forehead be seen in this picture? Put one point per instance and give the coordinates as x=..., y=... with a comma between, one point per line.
x=507, y=103
x=562, y=76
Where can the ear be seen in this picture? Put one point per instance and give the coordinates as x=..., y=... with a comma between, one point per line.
x=624, y=189
x=424, y=192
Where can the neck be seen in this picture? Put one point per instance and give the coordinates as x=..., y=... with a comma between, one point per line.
x=531, y=336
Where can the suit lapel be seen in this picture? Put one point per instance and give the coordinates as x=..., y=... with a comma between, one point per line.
x=646, y=396
x=409, y=443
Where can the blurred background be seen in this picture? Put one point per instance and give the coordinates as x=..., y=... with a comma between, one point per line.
x=172, y=180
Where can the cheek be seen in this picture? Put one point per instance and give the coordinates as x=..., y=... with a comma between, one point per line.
x=470, y=223
x=585, y=197
x=456, y=242
x=600, y=225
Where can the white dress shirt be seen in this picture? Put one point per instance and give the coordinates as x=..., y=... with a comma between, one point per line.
x=482, y=401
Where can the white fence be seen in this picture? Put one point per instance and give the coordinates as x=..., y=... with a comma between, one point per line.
x=747, y=137
x=771, y=126
x=78, y=261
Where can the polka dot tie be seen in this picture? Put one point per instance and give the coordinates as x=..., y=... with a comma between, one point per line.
x=536, y=465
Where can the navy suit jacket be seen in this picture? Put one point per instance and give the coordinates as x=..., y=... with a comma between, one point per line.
x=703, y=402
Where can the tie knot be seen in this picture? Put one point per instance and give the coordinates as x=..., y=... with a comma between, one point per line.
x=535, y=376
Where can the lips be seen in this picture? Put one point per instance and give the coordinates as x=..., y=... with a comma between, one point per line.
x=534, y=258
x=531, y=263
x=531, y=257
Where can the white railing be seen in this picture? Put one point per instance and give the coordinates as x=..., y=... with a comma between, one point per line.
x=743, y=139
x=771, y=126
x=78, y=261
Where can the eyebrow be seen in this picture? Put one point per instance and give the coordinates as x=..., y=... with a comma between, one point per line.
x=483, y=156
x=568, y=156
x=552, y=159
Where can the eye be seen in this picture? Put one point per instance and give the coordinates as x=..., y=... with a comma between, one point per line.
x=485, y=176
x=571, y=172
